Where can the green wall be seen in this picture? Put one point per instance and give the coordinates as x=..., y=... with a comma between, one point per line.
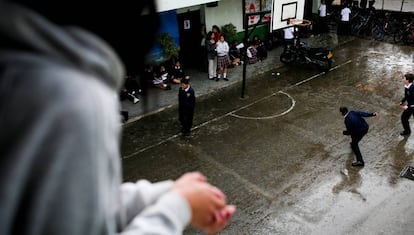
x=261, y=30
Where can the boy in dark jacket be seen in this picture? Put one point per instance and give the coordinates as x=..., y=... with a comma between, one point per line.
x=407, y=103
x=186, y=104
x=357, y=128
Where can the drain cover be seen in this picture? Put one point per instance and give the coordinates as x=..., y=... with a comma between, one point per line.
x=408, y=172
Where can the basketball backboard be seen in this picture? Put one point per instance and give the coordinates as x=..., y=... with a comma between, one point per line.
x=282, y=10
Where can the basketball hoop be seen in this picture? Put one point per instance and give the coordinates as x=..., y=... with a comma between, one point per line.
x=300, y=22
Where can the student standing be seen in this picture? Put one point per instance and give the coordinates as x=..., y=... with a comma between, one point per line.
x=357, y=128
x=186, y=105
x=216, y=30
x=203, y=51
x=345, y=25
x=323, y=25
x=289, y=34
x=211, y=55
x=407, y=103
x=223, y=60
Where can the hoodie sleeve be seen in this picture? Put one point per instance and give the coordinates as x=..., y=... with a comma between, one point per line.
x=154, y=208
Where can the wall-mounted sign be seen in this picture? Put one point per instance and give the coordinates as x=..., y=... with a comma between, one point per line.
x=187, y=24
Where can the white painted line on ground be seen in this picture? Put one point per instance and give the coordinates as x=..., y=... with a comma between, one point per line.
x=266, y=117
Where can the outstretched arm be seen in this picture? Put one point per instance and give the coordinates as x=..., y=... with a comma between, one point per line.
x=366, y=114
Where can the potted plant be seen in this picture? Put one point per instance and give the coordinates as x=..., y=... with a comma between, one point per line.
x=170, y=50
x=229, y=31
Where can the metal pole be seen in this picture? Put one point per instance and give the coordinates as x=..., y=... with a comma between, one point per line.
x=402, y=4
x=246, y=35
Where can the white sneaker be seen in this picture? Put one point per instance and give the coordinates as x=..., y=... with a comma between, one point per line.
x=136, y=100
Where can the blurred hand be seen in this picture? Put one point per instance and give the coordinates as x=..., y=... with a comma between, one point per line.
x=221, y=219
x=404, y=107
x=208, y=204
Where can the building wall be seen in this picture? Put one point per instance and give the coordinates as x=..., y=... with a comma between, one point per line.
x=167, y=5
x=227, y=11
x=315, y=6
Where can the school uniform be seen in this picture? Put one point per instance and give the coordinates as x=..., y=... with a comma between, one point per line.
x=405, y=116
x=186, y=105
x=357, y=128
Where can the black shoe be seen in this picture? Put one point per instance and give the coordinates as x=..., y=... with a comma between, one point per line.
x=357, y=163
x=225, y=79
x=186, y=134
x=217, y=79
x=125, y=116
x=405, y=132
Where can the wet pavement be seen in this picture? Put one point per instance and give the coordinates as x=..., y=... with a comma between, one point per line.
x=279, y=153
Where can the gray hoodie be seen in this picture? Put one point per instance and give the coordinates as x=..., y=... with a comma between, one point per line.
x=60, y=137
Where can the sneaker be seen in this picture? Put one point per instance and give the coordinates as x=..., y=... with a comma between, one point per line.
x=136, y=100
x=358, y=163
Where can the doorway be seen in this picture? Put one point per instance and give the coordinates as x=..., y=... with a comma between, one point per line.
x=189, y=28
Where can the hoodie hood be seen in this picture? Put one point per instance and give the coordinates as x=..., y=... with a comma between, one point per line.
x=71, y=46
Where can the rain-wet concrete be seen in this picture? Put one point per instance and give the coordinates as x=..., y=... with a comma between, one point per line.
x=279, y=153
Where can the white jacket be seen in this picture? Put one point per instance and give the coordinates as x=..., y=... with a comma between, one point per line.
x=222, y=48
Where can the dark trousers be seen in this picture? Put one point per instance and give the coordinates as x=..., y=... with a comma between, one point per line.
x=355, y=144
x=322, y=26
x=289, y=43
x=186, y=120
x=262, y=52
x=344, y=28
x=405, y=116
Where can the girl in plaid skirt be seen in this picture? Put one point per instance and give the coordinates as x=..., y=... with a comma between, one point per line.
x=223, y=60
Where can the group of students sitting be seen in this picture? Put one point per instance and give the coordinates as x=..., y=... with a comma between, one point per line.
x=256, y=51
x=156, y=76
x=161, y=77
